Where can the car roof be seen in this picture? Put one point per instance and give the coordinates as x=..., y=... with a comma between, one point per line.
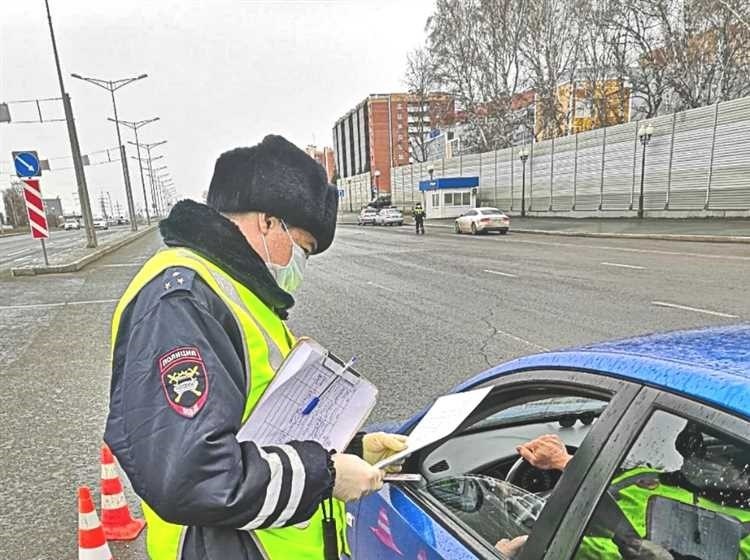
x=711, y=365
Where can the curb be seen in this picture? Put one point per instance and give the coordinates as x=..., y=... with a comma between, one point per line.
x=78, y=264
x=652, y=236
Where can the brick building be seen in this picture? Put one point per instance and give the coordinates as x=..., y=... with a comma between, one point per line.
x=388, y=130
x=325, y=157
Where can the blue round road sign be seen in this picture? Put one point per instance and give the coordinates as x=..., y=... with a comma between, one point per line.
x=26, y=163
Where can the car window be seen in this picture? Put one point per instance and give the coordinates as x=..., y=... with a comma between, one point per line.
x=478, y=477
x=490, y=211
x=682, y=491
x=471, y=213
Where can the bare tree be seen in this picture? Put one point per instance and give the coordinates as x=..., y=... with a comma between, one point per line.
x=420, y=81
x=550, y=51
x=474, y=45
x=15, y=206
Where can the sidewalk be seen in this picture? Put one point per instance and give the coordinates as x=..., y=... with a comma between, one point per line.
x=725, y=230
x=76, y=258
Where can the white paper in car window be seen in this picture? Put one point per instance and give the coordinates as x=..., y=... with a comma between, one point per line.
x=446, y=414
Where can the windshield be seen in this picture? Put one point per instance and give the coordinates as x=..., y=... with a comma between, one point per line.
x=564, y=409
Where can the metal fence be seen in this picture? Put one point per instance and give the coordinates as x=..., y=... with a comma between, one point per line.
x=697, y=160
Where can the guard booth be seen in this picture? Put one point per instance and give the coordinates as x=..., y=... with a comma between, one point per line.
x=449, y=197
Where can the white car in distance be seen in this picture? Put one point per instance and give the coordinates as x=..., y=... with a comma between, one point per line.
x=482, y=220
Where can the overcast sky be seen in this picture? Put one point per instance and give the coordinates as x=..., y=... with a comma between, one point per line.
x=222, y=73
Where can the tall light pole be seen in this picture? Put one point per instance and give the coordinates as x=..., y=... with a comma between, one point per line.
x=75, y=148
x=148, y=148
x=524, y=155
x=645, y=135
x=160, y=185
x=431, y=171
x=376, y=174
x=112, y=86
x=134, y=126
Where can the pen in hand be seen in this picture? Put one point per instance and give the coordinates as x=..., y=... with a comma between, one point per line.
x=310, y=406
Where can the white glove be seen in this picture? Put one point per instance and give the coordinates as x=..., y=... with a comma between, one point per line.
x=379, y=445
x=354, y=477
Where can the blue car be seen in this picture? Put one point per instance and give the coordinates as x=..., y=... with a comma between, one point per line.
x=658, y=428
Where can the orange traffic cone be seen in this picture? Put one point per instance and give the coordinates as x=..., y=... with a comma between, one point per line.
x=92, y=545
x=118, y=524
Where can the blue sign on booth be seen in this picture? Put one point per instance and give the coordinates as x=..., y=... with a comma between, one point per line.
x=26, y=164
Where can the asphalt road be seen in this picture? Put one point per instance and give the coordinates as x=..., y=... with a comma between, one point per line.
x=21, y=250
x=420, y=313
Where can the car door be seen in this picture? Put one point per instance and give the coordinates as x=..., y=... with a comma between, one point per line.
x=465, y=220
x=413, y=520
x=696, y=453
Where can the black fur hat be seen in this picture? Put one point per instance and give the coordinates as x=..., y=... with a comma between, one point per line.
x=278, y=178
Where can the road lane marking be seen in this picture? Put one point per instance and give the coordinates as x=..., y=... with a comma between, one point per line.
x=374, y=285
x=501, y=273
x=14, y=253
x=629, y=250
x=57, y=304
x=696, y=309
x=620, y=265
x=519, y=339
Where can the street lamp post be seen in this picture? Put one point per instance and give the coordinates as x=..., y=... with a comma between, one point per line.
x=377, y=187
x=112, y=86
x=148, y=148
x=75, y=148
x=160, y=186
x=645, y=135
x=524, y=155
x=431, y=171
x=134, y=126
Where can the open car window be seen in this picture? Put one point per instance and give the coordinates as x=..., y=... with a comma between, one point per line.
x=477, y=478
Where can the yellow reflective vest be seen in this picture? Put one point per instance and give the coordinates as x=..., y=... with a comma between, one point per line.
x=268, y=341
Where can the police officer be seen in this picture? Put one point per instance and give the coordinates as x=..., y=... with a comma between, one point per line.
x=197, y=337
x=419, y=215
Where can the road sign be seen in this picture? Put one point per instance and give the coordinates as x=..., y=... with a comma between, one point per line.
x=27, y=164
x=35, y=209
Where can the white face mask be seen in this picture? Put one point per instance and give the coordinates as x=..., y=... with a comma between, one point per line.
x=288, y=276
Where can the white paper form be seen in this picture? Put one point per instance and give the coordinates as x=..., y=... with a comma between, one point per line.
x=444, y=417
x=342, y=409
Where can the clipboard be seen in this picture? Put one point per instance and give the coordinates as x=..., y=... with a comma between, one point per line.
x=343, y=408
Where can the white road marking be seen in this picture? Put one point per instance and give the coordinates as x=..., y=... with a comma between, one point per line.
x=629, y=250
x=519, y=339
x=14, y=253
x=696, y=309
x=619, y=265
x=501, y=273
x=57, y=304
x=374, y=285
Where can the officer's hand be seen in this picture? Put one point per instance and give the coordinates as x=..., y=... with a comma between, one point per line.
x=354, y=478
x=510, y=547
x=379, y=446
x=545, y=452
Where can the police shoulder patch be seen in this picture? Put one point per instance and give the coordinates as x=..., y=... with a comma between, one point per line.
x=184, y=379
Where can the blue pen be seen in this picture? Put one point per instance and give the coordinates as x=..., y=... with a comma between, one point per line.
x=310, y=406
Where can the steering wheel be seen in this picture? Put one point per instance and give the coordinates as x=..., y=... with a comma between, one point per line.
x=532, y=479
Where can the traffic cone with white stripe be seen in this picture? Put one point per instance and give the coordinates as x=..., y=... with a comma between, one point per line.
x=118, y=523
x=92, y=545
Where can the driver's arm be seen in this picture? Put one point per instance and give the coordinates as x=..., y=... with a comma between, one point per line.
x=546, y=452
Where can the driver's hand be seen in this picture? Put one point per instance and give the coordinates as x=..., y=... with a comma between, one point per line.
x=545, y=452
x=510, y=547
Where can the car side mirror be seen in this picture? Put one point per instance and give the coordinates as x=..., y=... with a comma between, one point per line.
x=462, y=494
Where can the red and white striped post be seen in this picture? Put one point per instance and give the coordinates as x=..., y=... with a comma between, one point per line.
x=32, y=193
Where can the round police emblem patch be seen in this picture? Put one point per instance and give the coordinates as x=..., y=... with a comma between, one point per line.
x=183, y=376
